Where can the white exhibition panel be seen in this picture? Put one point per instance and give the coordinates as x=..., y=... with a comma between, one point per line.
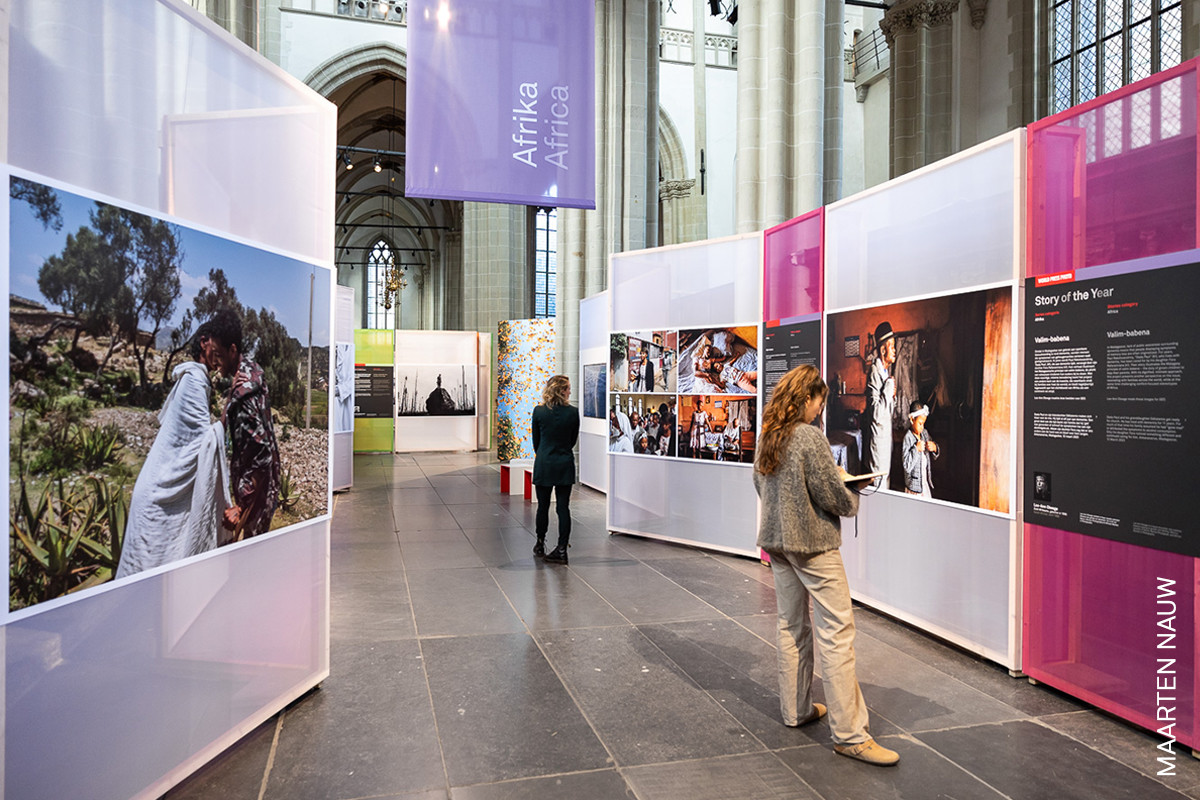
x=125, y=689
x=343, y=335
x=712, y=505
x=440, y=348
x=953, y=226
x=593, y=349
x=483, y=412
x=704, y=284
x=717, y=282
x=943, y=568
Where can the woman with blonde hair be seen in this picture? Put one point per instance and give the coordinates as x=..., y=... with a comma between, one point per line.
x=803, y=498
x=555, y=431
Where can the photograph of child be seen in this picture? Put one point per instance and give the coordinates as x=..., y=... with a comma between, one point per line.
x=717, y=428
x=719, y=361
x=919, y=452
x=642, y=424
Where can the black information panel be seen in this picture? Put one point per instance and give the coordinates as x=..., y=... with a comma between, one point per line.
x=786, y=347
x=1112, y=368
x=373, y=397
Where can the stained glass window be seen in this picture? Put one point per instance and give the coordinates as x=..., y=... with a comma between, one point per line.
x=1097, y=46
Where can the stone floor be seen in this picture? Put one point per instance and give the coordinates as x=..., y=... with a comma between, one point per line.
x=462, y=668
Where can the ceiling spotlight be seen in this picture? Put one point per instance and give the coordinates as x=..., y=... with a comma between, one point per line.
x=378, y=164
x=346, y=159
x=383, y=9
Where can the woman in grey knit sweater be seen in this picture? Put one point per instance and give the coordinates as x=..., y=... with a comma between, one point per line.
x=803, y=497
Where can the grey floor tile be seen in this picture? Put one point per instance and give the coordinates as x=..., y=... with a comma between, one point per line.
x=489, y=546
x=726, y=589
x=921, y=773
x=1131, y=746
x=750, y=567
x=645, y=548
x=370, y=607
x=482, y=515
x=603, y=785
x=764, y=626
x=466, y=495
x=444, y=535
x=641, y=594
x=987, y=677
x=236, y=774
x=739, y=671
x=402, y=499
x=424, y=518
x=352, y=557
x=502, y=712
x=458, y=554
x=368, y=731
x=917, y=697
x=760, y=776
x=548, y=597
x=458, y=602
x=644, y=707
x=1024, y=759
x=402, y=484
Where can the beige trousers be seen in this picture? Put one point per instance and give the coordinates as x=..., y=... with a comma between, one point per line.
x=821, y=576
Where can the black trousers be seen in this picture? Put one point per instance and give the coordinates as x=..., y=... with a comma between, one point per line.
x=563, y=507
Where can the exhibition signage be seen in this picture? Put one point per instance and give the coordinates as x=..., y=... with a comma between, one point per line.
x=373, y=391
x=788, y=344
x=501, y=102
x=1109, y=391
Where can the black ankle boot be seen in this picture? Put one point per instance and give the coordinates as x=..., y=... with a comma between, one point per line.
x=539, y=549
x=557, y=556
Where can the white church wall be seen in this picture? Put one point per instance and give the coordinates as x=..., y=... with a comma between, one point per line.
x=677, y=96
x=308, y=39
x=721, y=175
x=876, y=134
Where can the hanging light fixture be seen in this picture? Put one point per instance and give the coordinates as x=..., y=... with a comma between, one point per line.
x=378, y=164
x=394, y=282
x=346, y=159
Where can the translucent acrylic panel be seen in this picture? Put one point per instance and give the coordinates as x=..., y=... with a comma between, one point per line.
x=108, y=695
x=426, y=434
x=133, y=98
x=1137, y=198
x=593, y=460
x=717, y=282
x=944, y=569
x=593, y=322
x=708, y=504
x=793, y=267
x=436, y=347
x=483, y=416
x=1090, y=606
x=946, y=227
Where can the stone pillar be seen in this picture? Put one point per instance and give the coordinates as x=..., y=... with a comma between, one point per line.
x=781, y=111
x=835, y=69
x=453, y=297
x=495, y=265
x=1191, y=30
x=626, y=215
x=920, y=38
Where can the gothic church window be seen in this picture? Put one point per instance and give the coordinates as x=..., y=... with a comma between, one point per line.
x=1097, y=46
x=545, y=262
x=378, y=262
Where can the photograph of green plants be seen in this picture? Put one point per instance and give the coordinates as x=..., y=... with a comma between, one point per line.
x=169, y=392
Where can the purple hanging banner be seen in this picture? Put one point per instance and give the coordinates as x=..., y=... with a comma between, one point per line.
x=501, y=102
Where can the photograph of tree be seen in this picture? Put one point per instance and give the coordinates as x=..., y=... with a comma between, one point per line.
x=169, y=392
x=436, y=390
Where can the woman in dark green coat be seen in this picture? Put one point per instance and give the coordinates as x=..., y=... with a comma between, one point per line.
x=555, y=431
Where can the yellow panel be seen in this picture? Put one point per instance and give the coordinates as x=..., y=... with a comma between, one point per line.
x=377, y=348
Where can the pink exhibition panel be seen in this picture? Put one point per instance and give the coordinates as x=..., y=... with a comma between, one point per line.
x=1112, y=181
x=793, y=267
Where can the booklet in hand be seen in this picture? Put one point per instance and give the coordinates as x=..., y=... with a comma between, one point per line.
x=870, y=476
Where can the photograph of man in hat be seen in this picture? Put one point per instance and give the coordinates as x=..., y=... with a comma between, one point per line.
x=880, y=403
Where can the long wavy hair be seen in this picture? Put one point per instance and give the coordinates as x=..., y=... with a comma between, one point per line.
x=557, y=391
x=784, y=413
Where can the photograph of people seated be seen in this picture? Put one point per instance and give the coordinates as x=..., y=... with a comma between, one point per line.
x=922, y=391
x=717, y=428
x=719, y=361
x=642, y=424
x=643, y=361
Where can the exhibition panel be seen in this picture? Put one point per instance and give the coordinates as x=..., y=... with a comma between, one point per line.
x=341, y=396
x=1110, y=566
x=592, y=393
x=153, y=189
x=794, y=267
x=436, y=390
x=526, y=358
x=683, y=378
x=920, y=354
x=949, y=226
x=374, y=398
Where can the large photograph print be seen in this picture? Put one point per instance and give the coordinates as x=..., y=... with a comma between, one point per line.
x=716, y=428
x=169, y=392
x=436, y=390
x=642, y=424
x=719, y=361
x=922, y=390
